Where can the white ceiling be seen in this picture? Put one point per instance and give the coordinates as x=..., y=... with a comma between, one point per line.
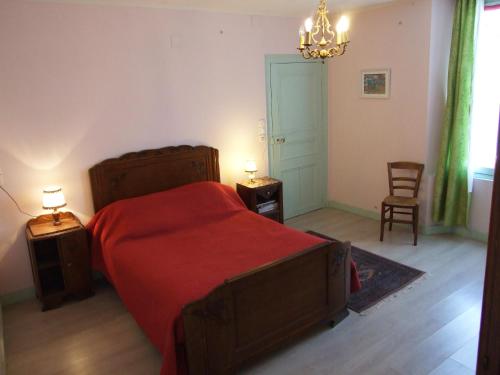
x=298, y=8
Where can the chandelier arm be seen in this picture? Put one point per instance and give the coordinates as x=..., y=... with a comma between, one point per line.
x=316, y=30
x=338, y=50
x=330, y=32
x=306, y=53
x=342, y=49
x=327, y=28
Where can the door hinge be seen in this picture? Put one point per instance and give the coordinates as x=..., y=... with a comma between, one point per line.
x=486, y=362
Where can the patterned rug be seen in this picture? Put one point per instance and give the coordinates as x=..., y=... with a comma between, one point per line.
x=380, y=277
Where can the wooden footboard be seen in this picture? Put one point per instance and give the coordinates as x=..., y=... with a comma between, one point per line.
x=254, y=313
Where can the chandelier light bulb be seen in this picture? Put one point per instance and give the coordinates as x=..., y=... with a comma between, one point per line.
x=308, y=24
x=342, y=25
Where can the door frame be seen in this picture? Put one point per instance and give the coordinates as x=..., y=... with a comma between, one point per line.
x=488, y=361
x=288, y=59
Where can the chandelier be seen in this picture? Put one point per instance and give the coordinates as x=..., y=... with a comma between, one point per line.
x=317, y=39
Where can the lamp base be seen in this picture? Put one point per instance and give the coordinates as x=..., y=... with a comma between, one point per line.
x=57, y=218
x=251, y=176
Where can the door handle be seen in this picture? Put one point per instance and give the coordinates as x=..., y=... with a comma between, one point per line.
x=280, y=140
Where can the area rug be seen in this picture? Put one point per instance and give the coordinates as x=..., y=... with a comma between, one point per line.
x=380, y=277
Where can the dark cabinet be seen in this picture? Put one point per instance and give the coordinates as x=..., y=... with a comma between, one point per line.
x=60, y=260
x=263, y=196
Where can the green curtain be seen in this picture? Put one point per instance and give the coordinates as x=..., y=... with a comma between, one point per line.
x=451, y=195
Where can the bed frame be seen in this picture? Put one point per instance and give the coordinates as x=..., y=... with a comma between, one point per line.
x=255, y=312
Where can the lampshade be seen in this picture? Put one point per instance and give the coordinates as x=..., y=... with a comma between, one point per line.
x=53, y=198
x=250, y=166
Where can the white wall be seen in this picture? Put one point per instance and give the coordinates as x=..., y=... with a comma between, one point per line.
x=412, y=38
x=367, y=133
x=480, y=209
x=441, y=13
x=81, y=83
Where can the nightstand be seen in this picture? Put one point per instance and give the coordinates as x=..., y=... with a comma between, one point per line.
x=60, y=259
x=263, y=196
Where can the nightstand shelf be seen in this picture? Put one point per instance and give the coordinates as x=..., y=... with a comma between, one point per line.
x=263, y=196
x=51, y=280
x=60, y=260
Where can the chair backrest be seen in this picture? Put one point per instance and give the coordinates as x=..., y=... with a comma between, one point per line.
x=405, y=182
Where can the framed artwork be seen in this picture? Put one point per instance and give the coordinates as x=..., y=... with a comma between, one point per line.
x=375, y=83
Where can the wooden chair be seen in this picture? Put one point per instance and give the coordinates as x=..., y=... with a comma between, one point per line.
x=400, y=204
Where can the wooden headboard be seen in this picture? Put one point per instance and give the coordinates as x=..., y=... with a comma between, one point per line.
x=149, y=171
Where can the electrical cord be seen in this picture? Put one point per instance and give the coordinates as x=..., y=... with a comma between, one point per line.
x=17, y=205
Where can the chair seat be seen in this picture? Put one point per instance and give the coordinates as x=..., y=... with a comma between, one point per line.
x=394, y=200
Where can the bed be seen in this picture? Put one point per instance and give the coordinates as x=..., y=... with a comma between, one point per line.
x=212, y=284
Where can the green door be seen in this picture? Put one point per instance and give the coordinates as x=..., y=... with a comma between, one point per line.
x=297, y=128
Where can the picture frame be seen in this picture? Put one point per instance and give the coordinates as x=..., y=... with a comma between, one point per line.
x=375, y=83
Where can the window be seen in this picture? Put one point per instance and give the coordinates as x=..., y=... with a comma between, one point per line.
x=486, y=105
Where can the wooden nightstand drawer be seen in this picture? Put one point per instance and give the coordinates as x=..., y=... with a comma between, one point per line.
x=267, y=192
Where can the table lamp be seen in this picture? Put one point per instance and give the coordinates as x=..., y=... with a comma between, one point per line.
x=251, y=169
x=53, y=199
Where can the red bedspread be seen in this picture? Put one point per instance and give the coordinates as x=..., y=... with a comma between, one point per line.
x=167, y=249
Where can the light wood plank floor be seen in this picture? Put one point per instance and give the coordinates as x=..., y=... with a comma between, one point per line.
x=431, y=328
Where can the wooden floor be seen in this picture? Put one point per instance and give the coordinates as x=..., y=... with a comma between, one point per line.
x=431, y=328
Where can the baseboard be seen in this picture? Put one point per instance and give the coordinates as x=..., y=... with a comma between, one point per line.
x=424, y=229
x=437, y=229
x=471, y=234
x=17, y=296
x=354, y=210
x=29, y=293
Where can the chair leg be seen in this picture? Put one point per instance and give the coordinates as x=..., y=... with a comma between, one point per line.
x=391, y=217
x=382, y=222
x=415, y=225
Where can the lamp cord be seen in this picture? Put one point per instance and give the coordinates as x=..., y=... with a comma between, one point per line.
x=17, y=205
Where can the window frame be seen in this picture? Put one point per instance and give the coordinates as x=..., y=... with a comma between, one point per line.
x=484, y=173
